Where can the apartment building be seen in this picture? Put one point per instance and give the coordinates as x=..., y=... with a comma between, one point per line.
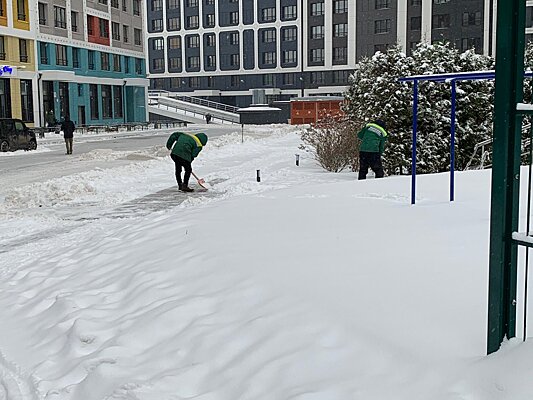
x=223, y=49
x=18, y=76
x=91, y=61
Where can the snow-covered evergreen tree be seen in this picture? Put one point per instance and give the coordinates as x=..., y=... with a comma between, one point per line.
x=376, y=93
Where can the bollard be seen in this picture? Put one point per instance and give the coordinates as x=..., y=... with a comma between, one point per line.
x=258, y=176
x=297, y=160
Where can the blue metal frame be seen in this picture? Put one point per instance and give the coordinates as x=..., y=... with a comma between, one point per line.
x=443, y=78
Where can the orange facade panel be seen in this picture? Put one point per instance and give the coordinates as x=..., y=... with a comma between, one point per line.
x=309, y=111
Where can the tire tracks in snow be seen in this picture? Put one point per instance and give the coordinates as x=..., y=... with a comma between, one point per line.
x=15, y=385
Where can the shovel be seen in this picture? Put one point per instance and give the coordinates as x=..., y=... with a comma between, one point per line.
x=201, y=181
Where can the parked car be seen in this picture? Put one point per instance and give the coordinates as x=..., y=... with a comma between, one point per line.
x=14, y=135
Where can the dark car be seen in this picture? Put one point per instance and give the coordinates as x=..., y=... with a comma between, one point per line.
x=14, y=135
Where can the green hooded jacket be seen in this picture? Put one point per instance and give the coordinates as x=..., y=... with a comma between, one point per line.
x=186, y=145
x=373, y=138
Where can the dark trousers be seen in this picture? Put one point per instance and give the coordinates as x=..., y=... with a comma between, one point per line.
x=186, y=165
x=372, y=160
x=68, y=144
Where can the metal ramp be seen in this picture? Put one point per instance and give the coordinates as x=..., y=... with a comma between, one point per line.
x=190, y=109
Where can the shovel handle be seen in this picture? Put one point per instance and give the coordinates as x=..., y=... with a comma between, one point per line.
x=198, y=179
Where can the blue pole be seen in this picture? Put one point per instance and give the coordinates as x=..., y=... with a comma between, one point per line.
x=413, y=156
x=452, y=144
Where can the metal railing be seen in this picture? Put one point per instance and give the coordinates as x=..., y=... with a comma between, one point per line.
x=133, y=126
x=193, y=100
x=194, y=113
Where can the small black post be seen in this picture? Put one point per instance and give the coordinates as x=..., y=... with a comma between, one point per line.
x=242, y=132
x=258, y=176
x=297, y=160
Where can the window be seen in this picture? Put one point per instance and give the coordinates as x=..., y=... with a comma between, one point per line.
x=440, y=1
x=209, y=2
x=210, y=20
x=114, y=3
x=43, y=8
x=158, y=64
x=90, y=59
x=80, y=89
x=90, y=25
x=288, y=12
x=157, y=25
x=26, y=100
x=117, y=67
x=288, y=79
x=104, y=61
x=102, y=2
x=269, y=57
x=125, y=5
x=139, y=70
x=382, y=26
x=317, y=55
x=380, y=4
x=173, y=24
x=125, y=33
x=115, y=30
x=268, y=80
x=74, y=21
x=471, y=43
x=5, y=98
x=23, y=50
x=193, y=41
x=158, y=44
x=234, y=81
x=268, y=14
x=210, y=40
x=234, y=18
x=234, y=38
x=289, y=34
x=192, y=3
x=60, y=18
x=211, y=61
x=317, y=9
x=174, y=42
x=317, y=77
x=340, y=30
x=268, y=36
x=416, y=23
x=61, y=55
x=104, y=28
x=107, y=106
x=137, y=36
x=317, y=32
x=340, y=54
x=43, y=49
x=117, y=101
x=93, y=102
x=173, y=4
x=472, y=18
x=416, y=2
x=441, y=21
x=175, y=82
x=289, y=56
x=193, y=21
x=137, y=7
x=126, y=65
x=340, y=77
x=157, y=5
x=193, y=62
x=210, y=81
x=234, y=60
x=174, y=63
x=340, y=6
x=194, y=82
x=21, y=10
x=75, y=57
x=382, y=48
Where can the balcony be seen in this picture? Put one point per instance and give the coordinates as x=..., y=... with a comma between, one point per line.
x=21, y=17
x=44, y=60
x=60, y=24
x=42, y=21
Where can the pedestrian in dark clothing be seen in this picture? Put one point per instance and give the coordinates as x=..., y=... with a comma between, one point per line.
x=208, y=118
x=68, y=128
x=184, y=148
x=373, y=137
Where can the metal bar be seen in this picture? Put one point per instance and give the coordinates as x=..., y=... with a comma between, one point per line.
x=505, y=173
x=528, y=224
x=413, y=155
x=452, y=143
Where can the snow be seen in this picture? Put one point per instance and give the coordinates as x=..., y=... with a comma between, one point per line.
x=306, y=286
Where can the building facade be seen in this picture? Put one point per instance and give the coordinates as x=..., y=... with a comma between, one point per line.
x=223, y=49
x=18, y=76
x=91, y=61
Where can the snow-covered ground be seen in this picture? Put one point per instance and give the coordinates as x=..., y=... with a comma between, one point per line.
x=306, y=286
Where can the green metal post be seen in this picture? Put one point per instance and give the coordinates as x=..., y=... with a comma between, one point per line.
x=505, y=172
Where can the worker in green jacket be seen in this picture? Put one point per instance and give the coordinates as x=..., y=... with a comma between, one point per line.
x=184, y=148
x=373, y=137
